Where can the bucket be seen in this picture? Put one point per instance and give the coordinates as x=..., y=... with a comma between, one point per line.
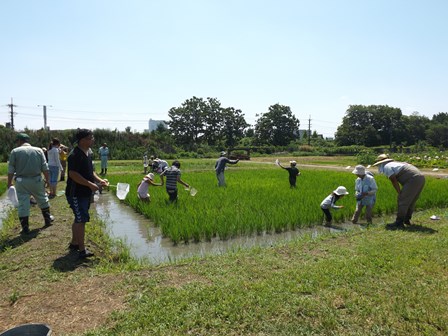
x=122, y=190
x=31, y=329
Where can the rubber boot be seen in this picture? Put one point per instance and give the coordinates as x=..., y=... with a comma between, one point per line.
x=102, y=172
x=24, y=222
x=105, y=171
x=48, y=218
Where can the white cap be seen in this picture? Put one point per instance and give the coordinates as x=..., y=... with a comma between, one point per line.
x=359, y=170
x=341, y=190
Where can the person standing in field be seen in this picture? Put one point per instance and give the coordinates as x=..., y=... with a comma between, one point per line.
x=145, y=163
x=104, y=156
x=329, y=203
x=63, y=153
x=143, y=186
x=365, y=192
x=220, y=167
x=172, y=175
x=81, y=183
x=408, y=181
x=54, y=165
x=26, y=166
x=293, y=172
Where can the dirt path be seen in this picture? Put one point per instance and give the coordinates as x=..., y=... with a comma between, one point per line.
x=42, y=282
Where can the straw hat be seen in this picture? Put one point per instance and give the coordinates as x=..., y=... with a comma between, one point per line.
x=382, y=158
x=359, y=170
x=341, y=190
x=150, y=176
x=293, y=162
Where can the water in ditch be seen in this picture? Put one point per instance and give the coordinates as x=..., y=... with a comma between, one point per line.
x=146, y=242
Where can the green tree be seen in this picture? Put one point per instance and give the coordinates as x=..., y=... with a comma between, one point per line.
x=277, y=127
x=187, y=122
x=370, y=126
x=234, y=125
x=200, y=121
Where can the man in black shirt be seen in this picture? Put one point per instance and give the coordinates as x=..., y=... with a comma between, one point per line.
x=81, y=183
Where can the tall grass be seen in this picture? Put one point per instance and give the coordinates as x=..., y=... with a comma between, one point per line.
x=259, y=201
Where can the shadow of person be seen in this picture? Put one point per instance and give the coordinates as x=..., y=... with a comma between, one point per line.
x=420, y=228
x=19, y=240
x=70, y=262
x=410, y=228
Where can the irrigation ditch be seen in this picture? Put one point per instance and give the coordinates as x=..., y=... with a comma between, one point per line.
x=145, y=240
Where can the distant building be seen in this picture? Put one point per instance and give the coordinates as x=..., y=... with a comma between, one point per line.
x=153, y=124
x=303, y=133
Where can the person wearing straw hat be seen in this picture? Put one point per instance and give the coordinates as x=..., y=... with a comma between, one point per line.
x=329, y=203
x=25, y=166
x=408, y=181
x=220, y=167
x=143, y=186
x=293, y=172
x=365, y=192
x=82, y=181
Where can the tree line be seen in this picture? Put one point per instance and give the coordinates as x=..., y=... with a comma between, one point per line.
x=199, y=126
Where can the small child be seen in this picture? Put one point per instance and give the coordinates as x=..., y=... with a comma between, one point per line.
x=142, y=188
x=293, y=172
x=329, y=203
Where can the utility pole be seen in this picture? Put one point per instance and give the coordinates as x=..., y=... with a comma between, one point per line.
x=11, y=106
x=45, y=115
x=309, y=131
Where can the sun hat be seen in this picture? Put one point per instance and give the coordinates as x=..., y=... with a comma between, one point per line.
x=23, y=137
x=223, y=153
x=359, y=170
x=293, y=162
x=382, y=158
x=150, y=176
x=341, y=190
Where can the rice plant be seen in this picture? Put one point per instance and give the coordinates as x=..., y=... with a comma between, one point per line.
x=258, y=201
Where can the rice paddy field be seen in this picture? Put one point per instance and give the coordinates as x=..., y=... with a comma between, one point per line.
x=257, y=199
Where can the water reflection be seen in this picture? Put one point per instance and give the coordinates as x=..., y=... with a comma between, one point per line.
x=146, y=241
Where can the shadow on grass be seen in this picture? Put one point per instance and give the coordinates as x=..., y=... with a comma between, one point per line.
x=70, y=262
x=19, y=240
x=411, y=228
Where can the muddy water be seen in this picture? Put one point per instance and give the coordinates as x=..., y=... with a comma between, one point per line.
x=146, y=242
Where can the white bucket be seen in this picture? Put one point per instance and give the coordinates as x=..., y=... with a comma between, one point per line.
x=122, y=190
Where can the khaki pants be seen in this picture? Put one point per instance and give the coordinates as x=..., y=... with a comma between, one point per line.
x=27, y=186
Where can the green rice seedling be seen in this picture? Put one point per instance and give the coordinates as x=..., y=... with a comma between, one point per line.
x=258, y=200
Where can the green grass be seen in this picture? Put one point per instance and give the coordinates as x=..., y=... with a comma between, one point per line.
x=374, y=282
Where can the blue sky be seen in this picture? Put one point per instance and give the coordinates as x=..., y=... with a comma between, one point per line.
x=113, y=64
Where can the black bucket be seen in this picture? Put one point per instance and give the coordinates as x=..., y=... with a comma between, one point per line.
x=31, y=329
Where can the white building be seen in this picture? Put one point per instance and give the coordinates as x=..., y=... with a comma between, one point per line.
x=153, y=124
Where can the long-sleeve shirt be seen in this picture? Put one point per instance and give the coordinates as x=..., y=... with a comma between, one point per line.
x=220, y=164
x=329, y=202
x=366, y=185
x=53, y=157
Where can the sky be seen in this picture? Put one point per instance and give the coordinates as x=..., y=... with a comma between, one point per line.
x=115, y=64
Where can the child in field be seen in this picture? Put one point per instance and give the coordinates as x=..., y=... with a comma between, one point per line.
x=293, y=172
x=329, y=203
x=142, y=188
